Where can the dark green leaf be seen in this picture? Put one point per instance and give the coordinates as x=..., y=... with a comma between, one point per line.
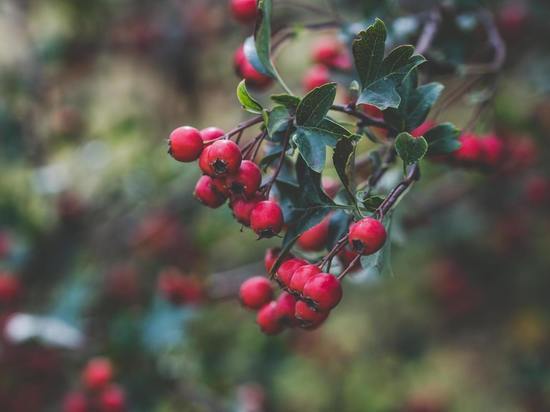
x=368, y=51
x=397, y=58
x=420, y=103
x=288, y=101
x=442, y=139
x=272, y=152
x=247, y=101
x=315, y=105
x=278, y=122
x=311, y=147
x=382, y=94
x=343, y=159
x=338, y=227
x=262, y=36
x=253, y=57
x=310, y=184
x=410, y=149
x=333, y=127
x=373, y=202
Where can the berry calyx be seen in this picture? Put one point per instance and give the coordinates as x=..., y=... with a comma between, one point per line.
x=287, y=269
x=268, y=319
x=242, y=208
x=97, y=374
x=207, y=194
x=246, y=181
x=324, y=290
x=308, y=317
x=315, y=238
x=224, y=157
x=286, y=308
x=301, y=276
x=367, y=236
x=244, y=11
x=185, y=144
x=256, y=292
x=211, y=133
x=316, y=76
x=266, y=219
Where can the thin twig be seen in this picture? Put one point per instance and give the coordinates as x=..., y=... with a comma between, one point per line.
x=392, y=198
x=350, y=267
x=267, y=188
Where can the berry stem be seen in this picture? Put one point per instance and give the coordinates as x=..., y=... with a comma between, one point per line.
x=337, y=247
x=268, y=187
x=365, y=120
x=238, y=130
x=350, y=267
x=392, y=198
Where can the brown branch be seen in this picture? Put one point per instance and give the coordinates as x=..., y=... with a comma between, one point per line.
x=392, y=198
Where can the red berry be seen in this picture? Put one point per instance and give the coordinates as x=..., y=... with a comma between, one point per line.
x=185, y=144
x=493, y=150
x=287, y=269
x=326, y=50
x=301, y=276
x=266, y=219
x=324, y=290
x=244, y=11
x=268, y=319
x=256, y=292
x=315, y=238
x=219, y=185
x=224, y=157
x=271, y=256
x=246, y=181
x=178, y=288
x=316, y=76
x=211, y=133
x=112, y=399
x=97, y=373
x=245, y=70
x=203, y=163
x=286, y=308
x=10, y=289
x=243, y=207
x=309, y=317
x=75, y=402
x=207, y=194
x=367, y=236
x=470, y=151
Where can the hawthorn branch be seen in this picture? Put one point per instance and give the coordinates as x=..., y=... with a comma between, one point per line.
x=412, y=176
x=350, y=267
x=239, y=129
x=286, y=143
x=365, y=120
x=337, y=248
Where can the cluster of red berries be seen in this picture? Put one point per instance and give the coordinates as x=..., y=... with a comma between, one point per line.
x=327, y=54
x=227, y=176
x=309, y=294
x=100, y=394
x=180, y=289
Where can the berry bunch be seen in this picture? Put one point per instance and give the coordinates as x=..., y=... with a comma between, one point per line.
x=99, y=394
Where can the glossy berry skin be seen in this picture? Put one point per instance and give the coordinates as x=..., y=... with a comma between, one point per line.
x=244, y=11
x=224, y=158
x=242, y=208
x=10, y=289
x=97, y=374
x=287, y=269
x=185, y=144
x=316, y=76
x=75, y=402
x=470, y=151
x=309, y=317
x=246, y=181
x=211, y=133
x=207, y=194
x=219, y=185
x=315, y=238
x=268, y=319
x=266, y=219
x=256, y=292
x=112, y=399
x=367, y=236
x=246, y=71
x=203, y=163
x=301, y=276
x=324, y=290
x=286, y=308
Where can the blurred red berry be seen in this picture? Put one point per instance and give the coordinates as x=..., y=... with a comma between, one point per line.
x=286, y=309
x=309, y=317
x=315, y=238
x=256, y=292
x=211, y=133
x=10, y=288
x=97, y=373
x=75, y=402
x=316, y=76
x=112, y=399
x=178, y=288
x=244, y=11
x=268, y=319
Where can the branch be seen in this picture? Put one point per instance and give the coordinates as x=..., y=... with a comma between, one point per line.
x=397, y=191
x=365, y=120
x=428, y=33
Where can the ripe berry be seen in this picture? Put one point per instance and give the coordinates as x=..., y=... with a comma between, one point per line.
x=326, y=50
x=203, y=163
x=367, y=236
x=286, y=308
x=315, y=238
x=75, y=402
x=246, y=71
x=470, y=151
x=309, y=317
x=211, y=133
x=287, y=269
x=224, y=157
x=266, y=219
x=10, y=289
x=185, y=144
x=324, y=290
x=271, y=256
x=207, y=194
x=246, y=181
x=256, y=292
x=316, y=76
x=243, y=207
x=301, y=276
x=112, y=399
x=178, y=288
x=218, y=184
x=97, y=374
x=268, y=319
x=493, y=149
x=244, y=11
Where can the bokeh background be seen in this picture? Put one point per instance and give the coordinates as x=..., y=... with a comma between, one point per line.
x=93, y=210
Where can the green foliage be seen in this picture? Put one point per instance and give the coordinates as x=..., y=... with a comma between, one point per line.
x=410, y=149
x=247, y=101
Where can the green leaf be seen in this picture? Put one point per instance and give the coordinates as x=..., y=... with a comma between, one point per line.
x=397, y=58
x=277, y=123
x=288, y=101
x=372, y=203
x=249, y=47
x=442, y=139
x=338, y=226
x=272, y=152
x=382, y=94
x=368, y=52
x=333, y=127
x=262, y=36
x=311, y=148
x=343, y=159
x=315, y=105
x=420, y=103
x=310, y=185
x=247, y=101
x=410, y=149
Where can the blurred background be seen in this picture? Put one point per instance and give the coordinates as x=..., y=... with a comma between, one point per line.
x=96, y=220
